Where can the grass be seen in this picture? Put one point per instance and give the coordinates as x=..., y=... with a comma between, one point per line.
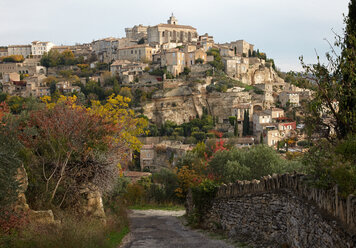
x=168, y=207
x=115, y=238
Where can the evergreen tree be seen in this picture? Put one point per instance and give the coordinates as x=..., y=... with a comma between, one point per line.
x=236, y=129
x=246, y=124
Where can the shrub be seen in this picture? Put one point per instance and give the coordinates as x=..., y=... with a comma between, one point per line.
x=10, y=160
x=203, y=194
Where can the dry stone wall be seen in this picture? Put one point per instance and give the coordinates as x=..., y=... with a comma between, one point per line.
x=283, y=209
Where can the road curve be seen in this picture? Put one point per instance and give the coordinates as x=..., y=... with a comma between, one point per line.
x=162, y=229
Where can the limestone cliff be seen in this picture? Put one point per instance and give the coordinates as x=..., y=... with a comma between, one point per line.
x=259, y=74
x=184, y=103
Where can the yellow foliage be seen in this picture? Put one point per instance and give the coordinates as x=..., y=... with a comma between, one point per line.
x=115, y=111
x=187, y=178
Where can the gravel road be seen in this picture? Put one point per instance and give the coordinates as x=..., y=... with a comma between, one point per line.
x=162, y=229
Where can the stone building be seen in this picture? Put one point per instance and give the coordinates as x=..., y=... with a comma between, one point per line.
x=206, y=42
x=136, y=53
x=38, y=48
x=163, y=155
x=21, y=68
x=106, y=49
x=289, y=97
x=174, y=60
x=241, y=47
x=275, y=112
x=137, y=32
x=260, y=120
x=127, y=70
x=236, y=65
x=271, y=137
x=192, y=56
x=24, y=50
x=3, y=52
x=171, y=32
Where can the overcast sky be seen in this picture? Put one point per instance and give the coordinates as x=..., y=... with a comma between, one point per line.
x=284, y=29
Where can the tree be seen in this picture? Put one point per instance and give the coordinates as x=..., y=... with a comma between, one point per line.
x=125, y=92
x=246, y=124
x=74, y=146
x=332, y=113
x=236, y=129
x=10, y=161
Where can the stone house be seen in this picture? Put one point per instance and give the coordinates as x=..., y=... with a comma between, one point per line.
x=271, y=137
x=3, y=52
x=24, y=50
x=235, y=66
x=171, y=32
x=226, y=51
x=38, y=48
x=275, y=112
x=289, y=98
x=241, y=47
x=12, y=76
x=117, y=65
x=15, y=88
x=21, y=68
x=286, y=126
x=137, y=32
x=261, y=120
x=67, y=87
x=136, y=53
x=174, y=60
x=162, y=155
x=192, y=56
x=206, y=42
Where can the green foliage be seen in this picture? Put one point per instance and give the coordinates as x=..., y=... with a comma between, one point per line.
x=246, y=124
x=203, y=194
x=199, y=61
x=227, y=166
x=53, y=58
x=298, y=80
x=13, y=59
x=10, y=161
x=199, y=136
x=232, y=120
x=141, y=41
x=332, y=113
x=217, y=63
x=334, y=164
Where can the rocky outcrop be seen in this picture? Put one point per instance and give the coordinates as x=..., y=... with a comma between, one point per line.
x=283, y=209
x=260, y=74
x=93, y=203
x=36, y=217
x=183, y=104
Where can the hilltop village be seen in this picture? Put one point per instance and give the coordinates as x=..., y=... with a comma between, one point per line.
x=188, y=87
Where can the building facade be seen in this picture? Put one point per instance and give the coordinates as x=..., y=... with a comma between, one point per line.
x=38, y=48
x=171, y=32
x=136, y=53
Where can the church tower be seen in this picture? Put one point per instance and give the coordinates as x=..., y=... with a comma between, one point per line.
x=172, y=20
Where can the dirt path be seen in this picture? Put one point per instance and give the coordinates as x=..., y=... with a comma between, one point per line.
x=162, y=229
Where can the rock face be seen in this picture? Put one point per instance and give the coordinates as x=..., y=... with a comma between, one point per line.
x=259, y=74
x=283, y=210
x=182, y=104
x=93, y=203
x=37, y=217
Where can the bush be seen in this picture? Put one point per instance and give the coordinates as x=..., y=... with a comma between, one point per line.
x=203, y=194
x=10, y=161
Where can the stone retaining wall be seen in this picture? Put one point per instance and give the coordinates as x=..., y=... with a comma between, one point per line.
x=283, y=209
